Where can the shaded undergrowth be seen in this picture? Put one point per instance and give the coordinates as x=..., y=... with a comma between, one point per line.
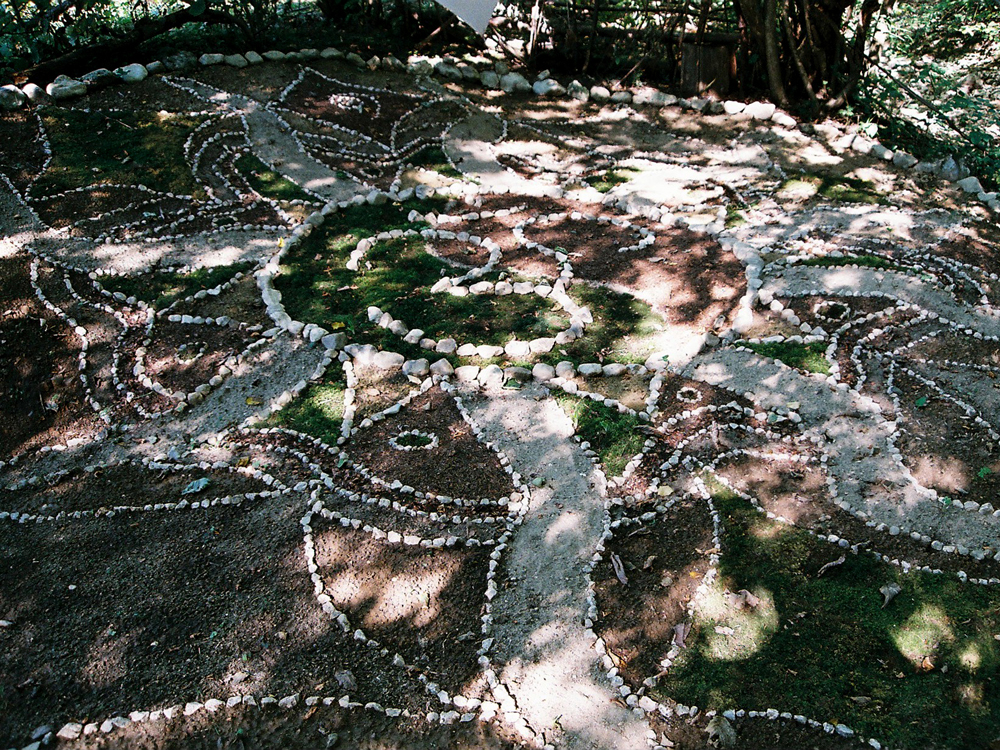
x=920, y=672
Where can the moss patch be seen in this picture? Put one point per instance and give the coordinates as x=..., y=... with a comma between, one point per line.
x=319, y=412
x=396, y=276
x=922, y=672
x=128, y=148
x=433, y=158
x=832, y=188
x=162, y=289
x=612, y=435
x=623, y=329
x=865, y=261
x=269, y=183
x=607, y=181
x=808, y=357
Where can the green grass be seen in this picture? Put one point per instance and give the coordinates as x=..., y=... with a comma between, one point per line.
x=319, y=411
x=825, y=647
x=734, y=217
x=607, y=181
x=433, y=158
x=131, y=148
x=611, y=434
x=808, y=357
x=838, y=189
x=269, y=183
x=162, y=289
x=622, y=329
x=866, y=261
x=396, y=276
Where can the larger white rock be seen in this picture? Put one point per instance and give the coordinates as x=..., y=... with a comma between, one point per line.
x=513, y=83
x=132, y=73
x=11, y=98
x=65, y=88
x=760, y=110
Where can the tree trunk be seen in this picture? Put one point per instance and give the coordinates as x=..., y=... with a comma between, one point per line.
x=110, y=54
x=802, y=46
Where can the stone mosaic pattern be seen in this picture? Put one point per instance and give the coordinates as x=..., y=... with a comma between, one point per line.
x=904, y=315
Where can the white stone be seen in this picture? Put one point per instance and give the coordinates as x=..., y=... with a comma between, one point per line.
x=970, y=185
x=11, y=98
x=578, y=91
x=514, y=83
x=653, y=97
x=600, y=94
x=132, y=73
x=416, y=368
x=760, y=110
x=548, y=87
x=65, y=88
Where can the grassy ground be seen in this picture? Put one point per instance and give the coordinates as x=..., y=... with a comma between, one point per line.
x=921, y=672
x=161, y=289
x=623, y=329
x=808, y=357
x=608, y=181
x=837, y=189
x=319, y=411
x=396, y=276
x=866, y=261
x=611, y=434
x=433, y=157
x=269, y=183
x=129, y=148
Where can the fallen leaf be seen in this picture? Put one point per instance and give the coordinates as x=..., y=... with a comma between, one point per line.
x=251, y=401
x=681, y=631
x=721, y=732
x=616, y=563
x=649, y=562
x=926, y=664
x=839, y=561
x=889, y=591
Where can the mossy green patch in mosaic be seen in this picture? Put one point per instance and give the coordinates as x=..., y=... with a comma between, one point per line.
x=865, y=261
x=924, y=671
x=319, y=411
x=613, y=435
x=166, y=287
x=126, y=148
x=832, y=188
x=434, y=158
x=612, y=178
x=624, y=328
x=269, y=183
x=809, y=357
x=396, y=276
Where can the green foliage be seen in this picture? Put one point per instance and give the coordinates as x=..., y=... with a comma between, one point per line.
x=612, y=435
x=319, y=411
x=624, y=328
x=808, y=357
x=836, y=654
x=269, y=183
x=162, y=289
x=396, y=276
x=866, y=261
x=132, y=148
